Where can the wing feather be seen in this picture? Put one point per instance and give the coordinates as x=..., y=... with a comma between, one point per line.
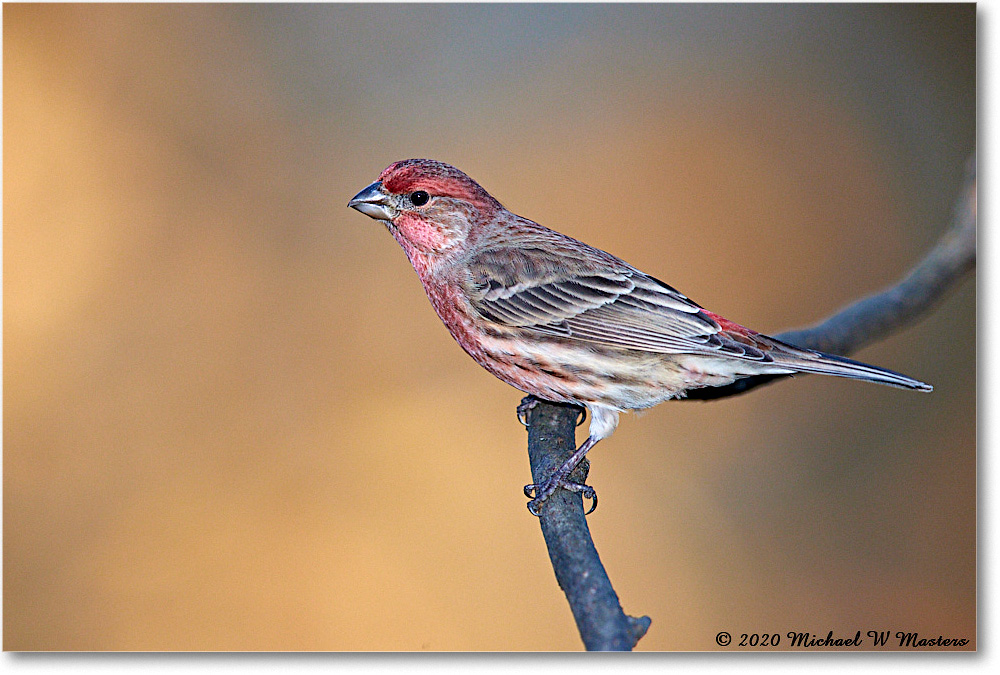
x=570, y=297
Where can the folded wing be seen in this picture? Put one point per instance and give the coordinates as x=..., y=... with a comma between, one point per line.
x=621, y=306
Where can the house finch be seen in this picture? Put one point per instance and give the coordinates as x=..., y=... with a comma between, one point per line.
x=562, y=320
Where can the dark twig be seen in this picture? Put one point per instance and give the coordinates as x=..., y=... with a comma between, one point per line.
x=873, y=318
x=599, y=616
x=551, y=426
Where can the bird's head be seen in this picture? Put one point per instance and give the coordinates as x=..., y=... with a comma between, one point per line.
x=430, y=207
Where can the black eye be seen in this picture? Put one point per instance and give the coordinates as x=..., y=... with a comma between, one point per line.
x=419, y=198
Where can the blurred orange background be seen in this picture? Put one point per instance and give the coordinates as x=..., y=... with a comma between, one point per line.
x=233, y=422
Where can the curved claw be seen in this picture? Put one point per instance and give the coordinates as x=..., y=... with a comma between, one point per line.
x=583, y=416
x=536, y=503
x=526, y=404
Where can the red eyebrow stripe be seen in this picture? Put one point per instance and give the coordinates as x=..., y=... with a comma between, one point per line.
x=436, y=178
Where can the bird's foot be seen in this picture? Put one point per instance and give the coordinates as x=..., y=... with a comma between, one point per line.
x=526, y=404
x=530, y=402
x=539, y=494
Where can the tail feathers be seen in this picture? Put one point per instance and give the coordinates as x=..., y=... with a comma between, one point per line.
x=828, y=364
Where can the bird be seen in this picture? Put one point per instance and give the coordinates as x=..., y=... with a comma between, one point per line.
x=564, y=321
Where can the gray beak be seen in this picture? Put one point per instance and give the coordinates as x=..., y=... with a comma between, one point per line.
x=373, y=202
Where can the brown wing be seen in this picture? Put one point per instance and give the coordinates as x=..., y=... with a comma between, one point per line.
x=580, y=299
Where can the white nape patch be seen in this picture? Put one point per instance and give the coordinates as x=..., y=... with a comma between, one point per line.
x=603, y=421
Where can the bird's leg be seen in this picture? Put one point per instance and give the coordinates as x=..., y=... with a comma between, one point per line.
x=541, y=492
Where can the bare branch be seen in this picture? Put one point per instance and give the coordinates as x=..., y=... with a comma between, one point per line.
x=599, y=617
x=875, y=317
